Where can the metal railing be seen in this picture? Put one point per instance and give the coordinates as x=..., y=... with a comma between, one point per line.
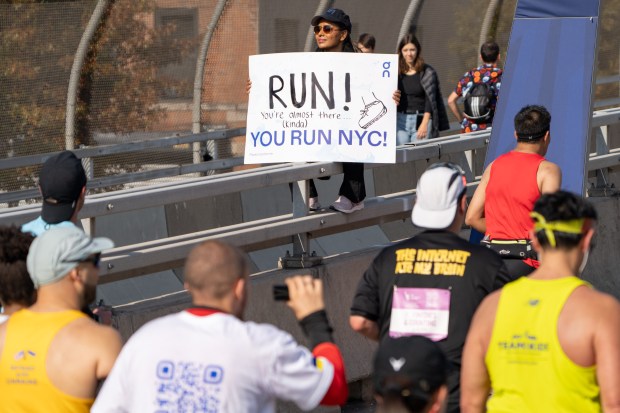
x=89, y=154
x=148, y=257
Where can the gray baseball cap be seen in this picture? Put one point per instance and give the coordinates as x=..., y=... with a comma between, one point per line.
x=57, y=251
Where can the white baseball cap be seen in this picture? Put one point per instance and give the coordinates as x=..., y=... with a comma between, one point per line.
x=437, y=195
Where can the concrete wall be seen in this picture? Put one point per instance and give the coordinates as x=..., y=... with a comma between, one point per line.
x=602, y=268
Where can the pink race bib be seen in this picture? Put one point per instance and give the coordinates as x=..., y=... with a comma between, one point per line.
x=420, y=311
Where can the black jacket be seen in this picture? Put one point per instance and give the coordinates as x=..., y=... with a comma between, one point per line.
x=430, y=83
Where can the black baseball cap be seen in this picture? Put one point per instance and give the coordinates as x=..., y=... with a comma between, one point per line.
x=61, y=180
x=412, y=366
x=334, y=16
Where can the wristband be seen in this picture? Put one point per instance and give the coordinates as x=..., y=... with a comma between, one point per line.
x=316, y=327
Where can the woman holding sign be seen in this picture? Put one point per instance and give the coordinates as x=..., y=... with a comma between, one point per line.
x=421, y=111
x=332, y=32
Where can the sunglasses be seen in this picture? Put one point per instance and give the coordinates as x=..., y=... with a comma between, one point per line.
x=458, y=171
x=327, y=29
x=93, y=259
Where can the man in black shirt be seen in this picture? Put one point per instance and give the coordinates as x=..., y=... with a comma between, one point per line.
x=430, y=284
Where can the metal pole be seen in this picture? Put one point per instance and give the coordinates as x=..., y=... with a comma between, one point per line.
x=322, y=7
x=408, y=18
x=487, y=23
x=89, y=223
x=198, y=81
x=76, y=69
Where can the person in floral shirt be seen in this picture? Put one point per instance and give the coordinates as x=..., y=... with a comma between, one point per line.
x=487, y=73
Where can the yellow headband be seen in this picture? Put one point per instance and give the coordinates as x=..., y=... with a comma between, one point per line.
x=571, y=226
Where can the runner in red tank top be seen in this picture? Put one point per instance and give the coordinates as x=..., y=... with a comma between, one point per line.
x=509, y=188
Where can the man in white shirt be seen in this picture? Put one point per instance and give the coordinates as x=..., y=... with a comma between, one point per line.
x=208, y=359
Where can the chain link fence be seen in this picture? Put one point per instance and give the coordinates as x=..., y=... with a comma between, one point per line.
x=137, y=80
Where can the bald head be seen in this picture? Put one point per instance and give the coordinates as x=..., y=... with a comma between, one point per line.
x=213, y=267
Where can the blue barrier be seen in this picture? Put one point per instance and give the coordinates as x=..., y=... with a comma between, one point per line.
x=550, y=62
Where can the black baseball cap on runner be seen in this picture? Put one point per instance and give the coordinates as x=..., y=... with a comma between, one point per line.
x=61, y=180
x=335, y=16
x=411, y=366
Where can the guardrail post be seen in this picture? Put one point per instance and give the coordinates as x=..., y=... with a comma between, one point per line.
x=602, y=148
x=89, y=169
x=602, y=186
x=302, y=257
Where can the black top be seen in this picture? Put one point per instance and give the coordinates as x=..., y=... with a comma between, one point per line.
x=412, y=96
x=483, y=271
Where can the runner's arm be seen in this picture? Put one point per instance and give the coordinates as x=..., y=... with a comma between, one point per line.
x=338, y=391
x=364, y=326
x=365, y=307
x=108, y=346
x=550, y=177
x=316, y=327
x=475, y=381
x=115, y=394
x=306, y=301
x=475, y=211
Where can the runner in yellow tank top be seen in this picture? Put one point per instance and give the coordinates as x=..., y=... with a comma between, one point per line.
x=52, y=356
x=531, y=354
x=25, y=385
x=547, y=342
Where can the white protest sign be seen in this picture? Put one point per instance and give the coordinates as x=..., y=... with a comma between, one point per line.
x=322, y=107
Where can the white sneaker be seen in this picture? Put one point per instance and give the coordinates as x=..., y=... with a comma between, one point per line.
x=313, y=204
x=372, y=112
x=343, y=204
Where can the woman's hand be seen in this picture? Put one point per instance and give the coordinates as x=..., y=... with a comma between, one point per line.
x=396, y=96
x=248, y=86
x=423, y=130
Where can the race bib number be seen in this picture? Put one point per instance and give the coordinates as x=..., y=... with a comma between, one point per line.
x=420, y=311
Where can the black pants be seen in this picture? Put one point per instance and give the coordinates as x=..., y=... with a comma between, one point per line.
x=353, y=185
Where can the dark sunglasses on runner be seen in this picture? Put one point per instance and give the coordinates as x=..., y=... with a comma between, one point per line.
x=454, y=167
x=93, y=259
x=327, y=29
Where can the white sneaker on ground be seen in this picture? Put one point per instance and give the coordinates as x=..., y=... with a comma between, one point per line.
x=343, y=204
x=313, y=204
